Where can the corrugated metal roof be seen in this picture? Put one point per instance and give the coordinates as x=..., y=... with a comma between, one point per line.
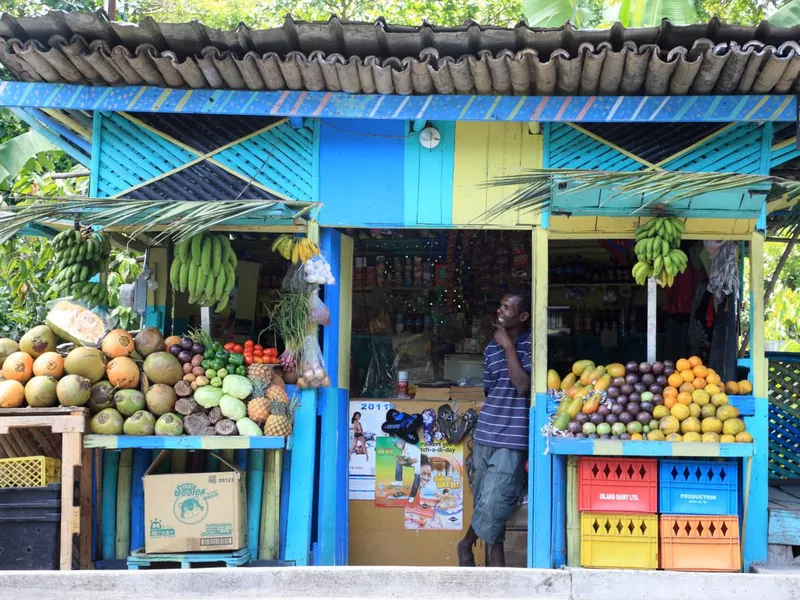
x=380, y=58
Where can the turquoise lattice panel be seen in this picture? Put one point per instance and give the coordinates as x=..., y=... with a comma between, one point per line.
x=282, y=159
x=569, y=148
x=735, y=150
x=131, y=155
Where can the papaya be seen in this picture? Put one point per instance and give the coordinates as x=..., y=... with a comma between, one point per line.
x=562, y=421
x=568, y=382
x=553, y=380
x=574, y=407
x=593, y=375
x=591, y=405
x=580, y=366
x=562, y=406
x=602, y=384
x=616, y=370
x=576, y=390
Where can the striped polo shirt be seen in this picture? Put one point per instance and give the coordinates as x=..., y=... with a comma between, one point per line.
x=503, y=420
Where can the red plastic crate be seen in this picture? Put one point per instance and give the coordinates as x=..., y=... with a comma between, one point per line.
x=618, y=485
x=699, y=543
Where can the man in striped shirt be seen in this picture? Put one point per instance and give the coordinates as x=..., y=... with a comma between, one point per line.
x=501, y=436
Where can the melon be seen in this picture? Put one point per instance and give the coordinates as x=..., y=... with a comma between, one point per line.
x=123, y=373
x=74, y=390
x=19, y=367
x=41, y=391
x=102, y=397
x=86, y=362
x=148, y=341
x=7, y=348
x=108, y=421
x=163, y=367
x=12, y=394
x=37, y=341
x=117, y=343
x=49, y=363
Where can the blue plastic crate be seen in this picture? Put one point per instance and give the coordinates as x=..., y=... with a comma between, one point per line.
x=698, y=487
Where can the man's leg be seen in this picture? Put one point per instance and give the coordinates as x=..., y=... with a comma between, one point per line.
x=464, y=549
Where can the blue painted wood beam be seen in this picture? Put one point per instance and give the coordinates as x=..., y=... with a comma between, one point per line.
x=619, y=109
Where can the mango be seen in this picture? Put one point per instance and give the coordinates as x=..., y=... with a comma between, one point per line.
x=592, y=375
x=603, y=383
x=580, y=366
x=574, y=407
x=568, y=382
x=553, y=380
x=562, y=421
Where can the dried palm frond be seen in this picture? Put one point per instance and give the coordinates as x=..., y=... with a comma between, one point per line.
x=181, y=219
x=534, y=187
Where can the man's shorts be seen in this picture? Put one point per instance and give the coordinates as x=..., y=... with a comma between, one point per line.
x=498, y=485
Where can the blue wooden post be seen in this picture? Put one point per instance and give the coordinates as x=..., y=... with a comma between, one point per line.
x=303, y=471
x=539, y=490
x=332, y=507
x=757, y=517
x=240, y=459
x=559, y=549
x=109, y=505
x=285, y=482
x=141, y=462
x=255, y=487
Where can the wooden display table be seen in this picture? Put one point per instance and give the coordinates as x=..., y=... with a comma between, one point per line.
x=36, y=431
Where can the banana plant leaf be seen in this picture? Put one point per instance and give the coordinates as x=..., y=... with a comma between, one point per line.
x=19, y=150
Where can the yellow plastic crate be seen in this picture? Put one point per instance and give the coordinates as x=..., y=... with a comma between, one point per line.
x=29, y=471
x=619, y=541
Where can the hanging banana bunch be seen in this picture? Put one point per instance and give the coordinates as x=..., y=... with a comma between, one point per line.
x=81, y=254
x=297, y=250
x=658, y=251
x=205, y=267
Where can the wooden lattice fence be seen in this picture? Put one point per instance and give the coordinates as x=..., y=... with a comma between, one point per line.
x=784, y=416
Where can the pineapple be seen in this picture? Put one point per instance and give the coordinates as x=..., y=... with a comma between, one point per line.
x=257, y=372
x=277, y=393
x=258, y=407
x=280, y=419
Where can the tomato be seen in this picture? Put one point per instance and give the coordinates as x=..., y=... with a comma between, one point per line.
x=248, y=360
x=229, y=346
x=249, y=344
x=238, y=349
x=271, y=352
x=258, y=353
x=258, y=360
x=258, y=347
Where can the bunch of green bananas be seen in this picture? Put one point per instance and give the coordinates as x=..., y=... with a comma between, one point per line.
x=298, y=250
x=658, y=251
x=205, y=267
x=80, y=255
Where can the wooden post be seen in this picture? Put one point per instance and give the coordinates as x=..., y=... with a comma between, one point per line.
x=255, y=484
x=269, y=541
x=141, y=462
x=109, y=504
x=85, y=495
x=652, y=296
x=71, y=444
x=123, y=517
x=573, y=517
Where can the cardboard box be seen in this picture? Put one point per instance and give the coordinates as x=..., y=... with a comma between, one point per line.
x=195, y=512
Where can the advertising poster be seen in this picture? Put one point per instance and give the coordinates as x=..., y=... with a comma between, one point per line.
x=395, y=472
x=439, y=502
x=366, y=419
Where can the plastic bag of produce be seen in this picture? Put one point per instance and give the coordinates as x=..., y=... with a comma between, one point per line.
x=318, y=312
x=295, y=280
x=317, y=270
x=73, y=321
x=312, y=372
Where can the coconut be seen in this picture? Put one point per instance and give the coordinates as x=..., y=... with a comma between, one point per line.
x=7, y=348
x=129, y=401
x=74, y=390
x=139, y=423
x=86, y=362
x=37, y=341
x=148, y=341
x=41, y=391
x=102, y=396
x=108, y=421
x=162, y=367
x=160, y=399
x=169, y=424
x=117, y=343
x=122, y=372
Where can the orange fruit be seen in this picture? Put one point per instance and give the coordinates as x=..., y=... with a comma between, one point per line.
x=684, y=398
x=670, y=401
x=686, y=387
x=670, y=391
x=675, y=380
x=700, y=371
x=712, y=389
x=682, y=365
x=636, y=437
x=713, y=378
x=732, y=388
x=688, y=375
x=745, y=387
x=699, y=384
x=695, y=361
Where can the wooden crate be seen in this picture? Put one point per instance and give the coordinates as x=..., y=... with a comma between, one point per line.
x=57, y=433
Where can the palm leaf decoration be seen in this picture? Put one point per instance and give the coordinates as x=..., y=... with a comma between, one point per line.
x=661, y=188
x=180, y=219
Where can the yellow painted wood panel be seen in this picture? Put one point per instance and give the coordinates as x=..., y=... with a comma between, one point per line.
x=345, y=310
x=539, y=305
x=485, y=151
x=757, y=315
x=157, y=260
x=619, y=227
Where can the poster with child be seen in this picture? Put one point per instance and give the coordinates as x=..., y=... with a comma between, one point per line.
x=439, y=503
